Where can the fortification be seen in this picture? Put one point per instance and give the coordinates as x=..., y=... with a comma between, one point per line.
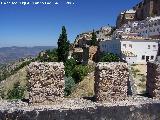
x=153, y=79
x=46, y=82
x=111, y=81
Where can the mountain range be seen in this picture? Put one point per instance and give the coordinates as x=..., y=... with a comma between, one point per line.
x=9, y=54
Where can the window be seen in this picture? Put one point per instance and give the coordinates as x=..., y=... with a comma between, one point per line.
x=152, y=57
x=124, y=45
x=143, y=57
x=155, y=24
x=154, y=46
x=130, y=45
x=149, y=46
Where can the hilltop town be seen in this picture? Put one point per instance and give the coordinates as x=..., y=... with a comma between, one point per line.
x=110, y=73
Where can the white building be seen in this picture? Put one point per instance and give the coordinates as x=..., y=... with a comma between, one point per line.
x=150, y=27
x=133, y=51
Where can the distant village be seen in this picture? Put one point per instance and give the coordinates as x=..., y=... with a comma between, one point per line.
x=135, y=38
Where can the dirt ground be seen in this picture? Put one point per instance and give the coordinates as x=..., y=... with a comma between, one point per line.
x=139, y=73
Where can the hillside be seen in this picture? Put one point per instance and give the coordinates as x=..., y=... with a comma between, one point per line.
x=19, y=76
x=85, y=88
x=9, y=54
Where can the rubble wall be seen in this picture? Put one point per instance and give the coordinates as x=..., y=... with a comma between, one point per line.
x=46, y=82
x=111, y=81
x=153, y=79
x=132, y=112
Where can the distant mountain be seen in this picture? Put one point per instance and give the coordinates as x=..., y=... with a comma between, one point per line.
x=9, y=54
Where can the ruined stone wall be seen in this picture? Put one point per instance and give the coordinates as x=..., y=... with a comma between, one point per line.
x=153, y=79
x=90, y=54
x=111, y=81
x=83, y=110
x=46, y=82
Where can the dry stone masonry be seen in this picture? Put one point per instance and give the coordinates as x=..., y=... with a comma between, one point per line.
x=153, y=79
x=46, y=82
x=111, y=81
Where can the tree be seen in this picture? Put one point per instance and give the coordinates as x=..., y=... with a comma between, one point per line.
x=79, y=72
x=48, y=56
x=63, y=46
x=109, y=57
x=93, y=39
x=69, y=66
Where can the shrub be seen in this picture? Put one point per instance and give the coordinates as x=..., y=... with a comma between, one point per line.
x=80, y=72
x=48, y=56
x=69, y=66
x=109, y=57
x=17, y=92
x=69, y=85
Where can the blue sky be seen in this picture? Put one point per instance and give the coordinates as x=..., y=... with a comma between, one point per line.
x=40, y=25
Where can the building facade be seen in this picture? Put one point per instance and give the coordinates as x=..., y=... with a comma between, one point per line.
x=144, y=9
x=147, y=8
x=125, y=17
x=133, y=51
x=148, y=28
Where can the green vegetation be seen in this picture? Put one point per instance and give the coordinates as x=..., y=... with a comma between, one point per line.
x=5, y=73
x=74, y=73
x=48, y=56
x=79, y=72
x=63, y=46
x=69, y=85
x=17, y=92
x=94, y=39
x=112, y=31
x=109, y=57
x=70, y=64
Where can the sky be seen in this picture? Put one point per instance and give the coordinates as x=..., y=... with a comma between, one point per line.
x=40, y=25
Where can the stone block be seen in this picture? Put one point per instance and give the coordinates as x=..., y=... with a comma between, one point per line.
x=111, y=81
x=46, y=82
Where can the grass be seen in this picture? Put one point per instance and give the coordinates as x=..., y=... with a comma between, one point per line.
x=139, y=76
x=19, y=76
x=85, y=88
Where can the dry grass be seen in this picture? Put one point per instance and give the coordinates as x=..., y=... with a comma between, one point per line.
x=20, y=76
x=139, y=74
x=85, y=88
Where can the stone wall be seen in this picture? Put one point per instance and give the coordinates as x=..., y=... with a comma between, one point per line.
x=46, y=82
x=90, y=54
x=111, y=81
x=153, y=79
x=83, y=110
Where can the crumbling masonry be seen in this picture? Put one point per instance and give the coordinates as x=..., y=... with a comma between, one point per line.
x=153, y=79
x=111, y=81
x=46, y=82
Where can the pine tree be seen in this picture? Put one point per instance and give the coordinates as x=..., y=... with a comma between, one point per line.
x=94, y=39
x=63, y=46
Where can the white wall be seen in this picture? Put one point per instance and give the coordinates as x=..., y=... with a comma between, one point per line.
x=148, y=28
x=137, y=47
x=141, y=48
x=111, y=46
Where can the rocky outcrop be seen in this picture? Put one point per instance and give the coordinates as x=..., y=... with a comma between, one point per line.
x=153, y=79
x=46, y=82
x=111, y=81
